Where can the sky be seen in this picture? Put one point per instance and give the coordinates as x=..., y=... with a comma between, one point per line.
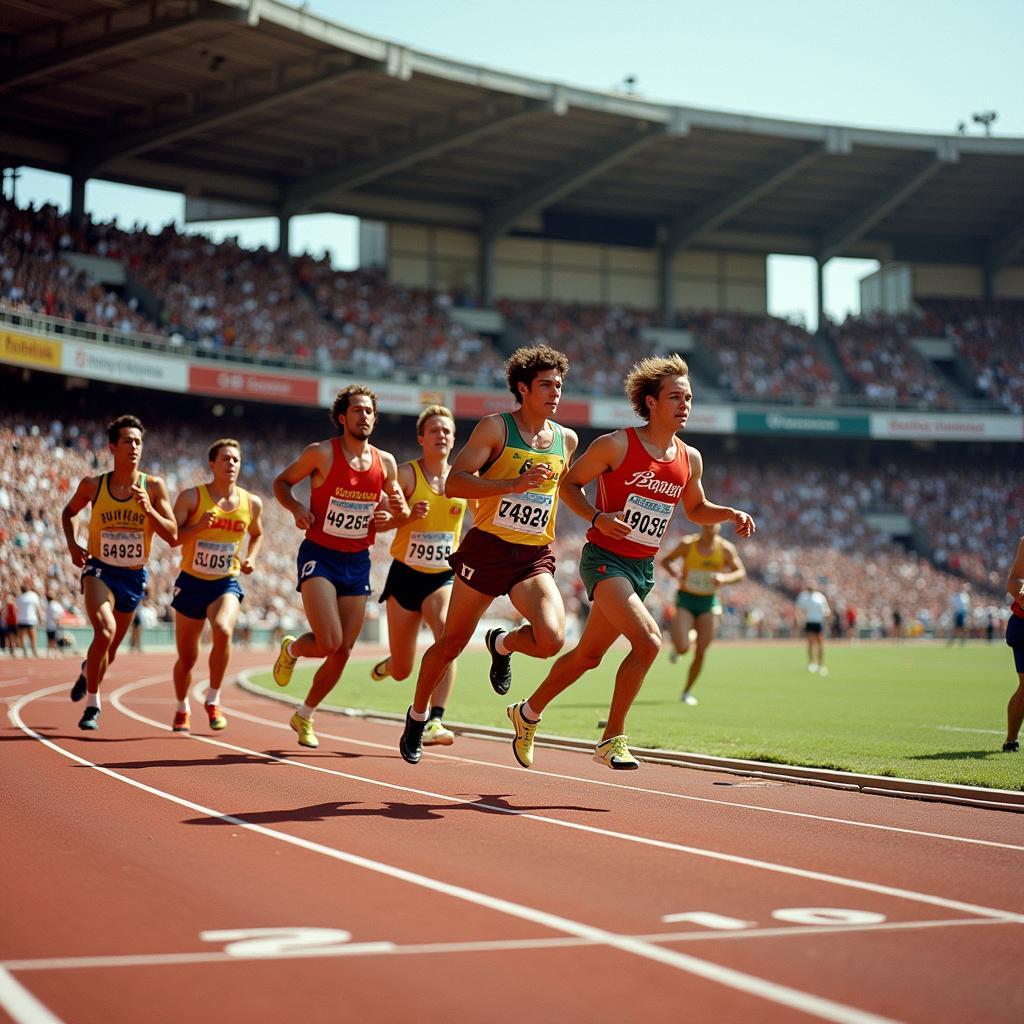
x=922, y=65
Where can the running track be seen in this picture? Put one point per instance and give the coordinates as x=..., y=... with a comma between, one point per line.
x=238, y=877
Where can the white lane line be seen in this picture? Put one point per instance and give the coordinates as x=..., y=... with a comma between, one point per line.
x=649, y=792
x=468, y=946
x=962, y=728
x=20, y=1005
x=662, y=844
x=15, y=682
x=761, y=988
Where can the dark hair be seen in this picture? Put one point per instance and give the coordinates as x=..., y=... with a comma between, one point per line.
x=525, y=363
x=223, y=442
x=122, y=422
x=344, y=396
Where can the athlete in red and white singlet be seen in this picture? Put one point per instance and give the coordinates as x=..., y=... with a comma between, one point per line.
x=643, y=474
x=1015, y=640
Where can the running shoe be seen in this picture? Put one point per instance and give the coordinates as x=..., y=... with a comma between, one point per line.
x=614, y=753
x=1011, y=747
x=501, y=664
x=78, y=690
x=90, y=719
x=304, y=727
x=410, y=746
x=380, y=672
x=689, y=699
x=436, y=735
x=181, y=722
x=217, y=720
x=285, y=663
x=522, y=745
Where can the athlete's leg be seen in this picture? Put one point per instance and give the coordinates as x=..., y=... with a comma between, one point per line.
x=320, y=603
x=465, y=610
x=539, y=602
x=705, y=635
x=32, y=641
x=597, y=636
x=819, y=643
x=435, y=609
x=99, y=609
x=186, y=637
x=403, y=628
x=222, y=613
x=350, y=611
x=682, y=623
x=1015, y=711
x=810, y=647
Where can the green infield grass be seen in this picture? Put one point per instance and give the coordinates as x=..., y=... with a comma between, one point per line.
x=919, y=710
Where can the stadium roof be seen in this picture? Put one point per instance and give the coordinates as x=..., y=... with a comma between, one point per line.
x=278, y=111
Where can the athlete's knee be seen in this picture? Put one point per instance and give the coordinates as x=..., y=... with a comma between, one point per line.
x=399, y=668
x=450, y=646
x=648, y=644
x=104, y=631
x=220, y=633
x=588, y=660
x=548, y=639
x=327, y=642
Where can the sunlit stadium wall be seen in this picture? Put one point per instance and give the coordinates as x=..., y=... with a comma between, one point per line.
x=528, y=268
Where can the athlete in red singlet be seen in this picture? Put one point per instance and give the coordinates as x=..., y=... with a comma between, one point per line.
x=643, y=473
x=1015, y=640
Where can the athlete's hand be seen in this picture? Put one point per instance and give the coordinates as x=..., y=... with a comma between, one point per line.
x=533, y=477
x=419, y=510
x=303, y=517
x=141, y=496
x=78, y=555
x=382, y=518
x=612, y=526
x=247, y=565
x=396, y=501
x=744, y=523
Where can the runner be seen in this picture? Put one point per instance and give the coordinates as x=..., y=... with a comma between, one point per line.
x=642, y=474
x=212, y=519
x=419, y=583
x=349, y=479
x=510, y=467
x=128, y=507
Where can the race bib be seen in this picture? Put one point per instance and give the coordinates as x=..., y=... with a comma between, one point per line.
x=124, y=548
x=349, y=519
x=648, y=518
x=214, y=559
x=528, y=512
x=429, y=550
x=700, y=581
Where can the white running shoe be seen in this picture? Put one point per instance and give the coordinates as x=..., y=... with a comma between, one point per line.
x=688, y=698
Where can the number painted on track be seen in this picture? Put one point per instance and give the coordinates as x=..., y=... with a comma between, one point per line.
x=271, y=942
x=826, y=915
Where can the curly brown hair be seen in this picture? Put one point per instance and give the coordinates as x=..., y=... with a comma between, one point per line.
x=342, y=399
x=525, y=363
x=115, y=427
x=645, y=378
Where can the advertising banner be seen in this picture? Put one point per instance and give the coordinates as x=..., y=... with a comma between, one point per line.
x=259, y=387
x=124, y=366
x=28, y=350
x=806, y=422
x=406, y=399
x=946, y=427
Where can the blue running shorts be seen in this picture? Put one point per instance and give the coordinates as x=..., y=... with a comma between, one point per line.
x=193, y=596
x=348, y=571
x=128, y=586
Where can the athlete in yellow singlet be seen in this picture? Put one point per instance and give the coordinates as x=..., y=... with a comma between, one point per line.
x=510, y=468
x=213, y=521
x=708, y=563
x=419, y=583
x=128, y=507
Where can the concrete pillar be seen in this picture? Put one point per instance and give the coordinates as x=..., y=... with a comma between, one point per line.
x=665, y=296
x=284, y=221
x=820, y=266
x=77, y=197
x=988, y=276
x=486, y=271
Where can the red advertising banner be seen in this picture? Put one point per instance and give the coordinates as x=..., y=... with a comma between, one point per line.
x=471, y=405
x=260, y=387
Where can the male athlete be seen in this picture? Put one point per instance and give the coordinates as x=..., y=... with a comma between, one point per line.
x=128, y=507
x=353, y=493
x=419, y=584
x=510, y=468
x=213, y=519
x=709, y=562
x=643, y=473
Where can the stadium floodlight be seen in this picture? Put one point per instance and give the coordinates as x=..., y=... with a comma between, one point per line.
x=985, y=117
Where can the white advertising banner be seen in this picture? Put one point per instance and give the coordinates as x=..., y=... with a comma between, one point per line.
x=123, y=366
x=704, y=419
x=408, y=399
x=945, y=427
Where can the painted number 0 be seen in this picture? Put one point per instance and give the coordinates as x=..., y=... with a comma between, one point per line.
x=271, y=942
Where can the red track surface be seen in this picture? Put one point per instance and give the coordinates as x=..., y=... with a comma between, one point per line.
x=465, y=889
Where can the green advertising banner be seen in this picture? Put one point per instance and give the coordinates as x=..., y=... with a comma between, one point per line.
x=804, y=423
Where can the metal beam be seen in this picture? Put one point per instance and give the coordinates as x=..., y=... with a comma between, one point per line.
x=1006, y=247
x=500, y=218
x=346, y=177
x=684, y=230
x=172, y=131
x=20, y=72
x=858, y=224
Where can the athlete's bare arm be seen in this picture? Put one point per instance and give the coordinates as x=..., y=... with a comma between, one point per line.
x=733, y=569
x=315, y=462
x=679, y=551
x=393, y=509
x=185, y=506
x=604, y=455
x=155, y=500
x=699, y=510
x=255, y=535
x=85, y=493
x=1015, y=580
x=483, y=447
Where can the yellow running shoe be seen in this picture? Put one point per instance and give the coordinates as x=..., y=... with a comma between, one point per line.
x=304, y=727
x=614, y=753
x=216, y=716
x=522, y=745
x=285, y=663
x=380, y=672
x=435, y=734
